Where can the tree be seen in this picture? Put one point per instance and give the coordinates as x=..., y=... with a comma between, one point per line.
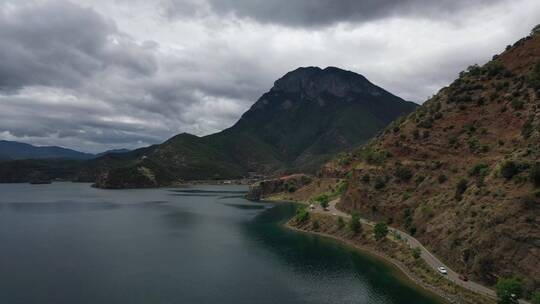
x=340, y=223
x=379, y=183
x=535, y=29
x=301, y=215
x=324, y=204
x=355, y=224
x=442, y=179
x=380, y=231
x=535, y=175
x=461, y=187
x=508, y=290
x=509, y=169
x=403, y=173
x=536, y=298
x=416, y=253
x=323, y=199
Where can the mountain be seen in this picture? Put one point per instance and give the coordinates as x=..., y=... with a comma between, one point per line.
x=113, y=151
x=12, y=150
x=307, y=116
x=462, y=172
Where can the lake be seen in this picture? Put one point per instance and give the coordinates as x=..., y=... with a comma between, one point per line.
x=70, y=243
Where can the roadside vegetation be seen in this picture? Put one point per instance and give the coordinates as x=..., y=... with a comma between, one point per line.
x=393, y=248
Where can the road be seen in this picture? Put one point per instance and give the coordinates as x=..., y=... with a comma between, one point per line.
x=426, y=255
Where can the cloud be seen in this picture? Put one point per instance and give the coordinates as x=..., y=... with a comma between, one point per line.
x=62, y=44
x=99, y=74
x=309, y=13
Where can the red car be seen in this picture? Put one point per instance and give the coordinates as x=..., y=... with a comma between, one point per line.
x=463, y=277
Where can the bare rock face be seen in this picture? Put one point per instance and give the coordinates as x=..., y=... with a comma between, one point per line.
x=254, y=192
x=314, y=81
x=266, y=188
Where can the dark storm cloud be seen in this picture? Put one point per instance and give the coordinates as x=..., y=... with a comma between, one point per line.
x=68, y=74
x=100, y=74
x=311, y=13
x=62, y=44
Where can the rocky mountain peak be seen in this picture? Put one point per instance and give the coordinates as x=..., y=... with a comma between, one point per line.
x=313, y=81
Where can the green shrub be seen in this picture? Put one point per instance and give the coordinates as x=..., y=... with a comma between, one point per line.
x=535, y=175
x=473, y=144
x=340, y=223
x=379, y=183
x=322, y=199
x=403, y=173
x=436, y=164
x=517, y=104
x=474, y=70
x=416, y=253
x=479, y=170
x=406, y=195
x=505, y=288
x=509, y=168
x=536, y=298
x=302, y=215
x=442, y=179
x=306, y=179
x=494, y=68
x=324, y=204
x=527, y=129
x=342, y=187
x=354, y=224
x=373, y=156
x=461, y=187
x=380, y=231
x=534, y=77
x=316, y=225
x=290, y=187
x=365, y=178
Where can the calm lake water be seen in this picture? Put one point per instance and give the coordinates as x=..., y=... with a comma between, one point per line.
x=70, y=243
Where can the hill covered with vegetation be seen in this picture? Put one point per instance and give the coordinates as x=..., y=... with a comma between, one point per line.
x=309, y=115
x=462, y=172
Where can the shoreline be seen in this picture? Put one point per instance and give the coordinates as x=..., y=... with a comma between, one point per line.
x=405, y=275
x=454, y=293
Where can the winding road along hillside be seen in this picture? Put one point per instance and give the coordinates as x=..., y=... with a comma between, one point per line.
x=426, y=255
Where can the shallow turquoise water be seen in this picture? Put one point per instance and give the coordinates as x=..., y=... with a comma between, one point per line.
x=69, y=243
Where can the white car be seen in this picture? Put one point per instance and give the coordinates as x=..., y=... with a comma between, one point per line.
x=442, y=270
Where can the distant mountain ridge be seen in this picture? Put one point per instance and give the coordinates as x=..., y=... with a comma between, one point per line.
x=309, y=115
x=306, y=117
x=13, y=150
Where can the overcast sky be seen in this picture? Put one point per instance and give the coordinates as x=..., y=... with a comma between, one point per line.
x=101, y=74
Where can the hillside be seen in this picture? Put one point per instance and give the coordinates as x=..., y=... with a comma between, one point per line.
x=12, y=150
x=462, y=172
x=309, y=115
